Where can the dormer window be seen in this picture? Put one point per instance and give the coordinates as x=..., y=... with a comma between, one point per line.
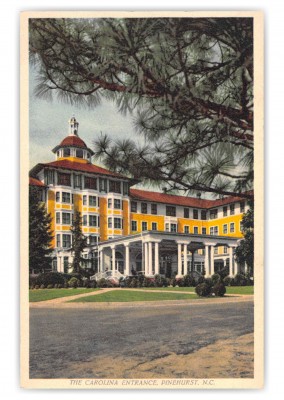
x=79, y=153
x=66, y=152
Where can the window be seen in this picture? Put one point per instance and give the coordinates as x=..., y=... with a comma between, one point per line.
x=186, y=213
x=84, y=200
x=109, y=223
x=144, y=208
x=232, y=209
x=90, y=183
x=154, y=209
x=186, y=229
x=49, y=177
x=232, y=227
x=144, y=226
x=170, y=211
x=78, y=181
x=115, y=186
x=195, y=214
x=66, y=152
x=173, y=227
x=84, y=221
x=213, y=213
x=195, y=230
x=134, y=226
x=66, y=197
x=66, y=241
x=79, y=153
x=117, y=204
x=215, y=250
x=64, y=179
x=93, y=240
x=167, y=227
x=225, y=211
x=204, y=231
x=203, y=215
x=154, y=226
x=92, y=201
x=58, y=240
x=103, y=185
x=225, y=229
x=125, y=188
x=66, y=218
x=242, y=206
x=214, y=230
x=58, y=217
x=117, y=223
x=57, y=197
x=65, y=265
x=225, y=249
x=133, y=206
x=92, y=220
x=109, y=203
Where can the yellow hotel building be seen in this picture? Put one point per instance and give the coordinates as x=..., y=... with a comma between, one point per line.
x=130, y=229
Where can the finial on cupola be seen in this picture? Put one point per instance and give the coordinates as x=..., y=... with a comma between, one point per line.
x=73, y=127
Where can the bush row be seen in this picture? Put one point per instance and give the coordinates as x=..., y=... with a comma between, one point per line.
x=55, y=280
x=205, y=290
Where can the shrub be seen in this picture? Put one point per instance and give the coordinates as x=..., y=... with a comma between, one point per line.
x=219, y=289
x=59, y=286
x=73, y=282
x=209, y=282
x=133, y=283
x=224, y=272
x=203, y=290
x=240, y=280
x=201, y=279
x=93, y=284
x=227, y=281
x=215, y=278
x=50, y=286
x=50, y=278
x=188, y=281
x=102, y=283
x=42, y=286
x=36, y=286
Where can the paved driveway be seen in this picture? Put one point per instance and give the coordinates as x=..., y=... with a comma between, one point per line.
x=81, y=343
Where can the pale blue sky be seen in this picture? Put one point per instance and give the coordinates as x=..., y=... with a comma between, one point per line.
x=49, y=124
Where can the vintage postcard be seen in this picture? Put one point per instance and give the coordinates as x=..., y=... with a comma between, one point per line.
x=142, y=200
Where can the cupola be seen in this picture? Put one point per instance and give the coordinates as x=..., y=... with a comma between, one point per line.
x=72, y=147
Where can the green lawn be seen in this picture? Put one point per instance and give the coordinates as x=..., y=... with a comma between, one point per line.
x=49, y=294
x=125, y=295
x=230, y=289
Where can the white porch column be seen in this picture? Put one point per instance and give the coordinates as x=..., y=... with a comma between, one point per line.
x=179, y=260
x=146, y=258
x=157, y=271
x=150, y=267
x=102, y=267
x=211, y=260
x=207, y=262
x=231, y=272
x=113, y=258
x=185, y=259
x=127, y=264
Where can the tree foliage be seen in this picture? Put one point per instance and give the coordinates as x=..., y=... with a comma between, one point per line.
x=188, y=81
x=79, y=241
x=245, y=250
x=40, y=233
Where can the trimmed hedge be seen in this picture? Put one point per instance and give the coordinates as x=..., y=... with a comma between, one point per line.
x=219, y=289
x=203, y=290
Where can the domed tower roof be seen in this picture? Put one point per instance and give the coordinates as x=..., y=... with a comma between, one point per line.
x=72, y=140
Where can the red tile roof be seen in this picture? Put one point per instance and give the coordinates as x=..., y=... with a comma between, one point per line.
x=76, y=166
x=180, y=200
x=74, y=141
x=35, y=182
